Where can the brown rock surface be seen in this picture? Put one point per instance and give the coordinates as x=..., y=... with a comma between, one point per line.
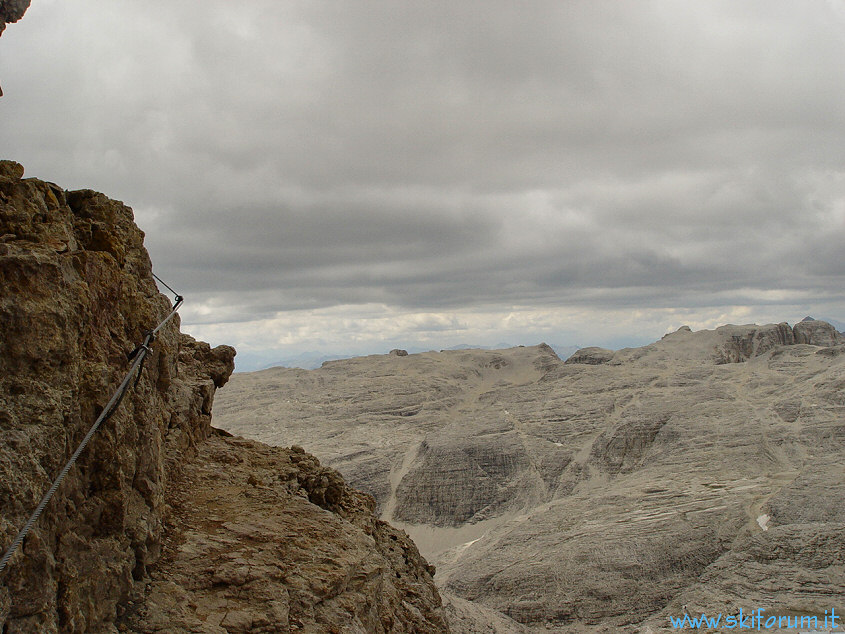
x=267, y=540
x=77, y=296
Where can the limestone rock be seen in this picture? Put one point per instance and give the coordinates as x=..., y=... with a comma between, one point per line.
x=77, y=296
x=601, y=497
x=70, y=315
x=466, y=617
x=254, y=539
x=817, y=333
x=10, y=171
x=455, y=480
x=219, y=361
x=742, y=343
x=591, y=356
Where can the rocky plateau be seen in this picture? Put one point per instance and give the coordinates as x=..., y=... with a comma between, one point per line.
x=704, y=472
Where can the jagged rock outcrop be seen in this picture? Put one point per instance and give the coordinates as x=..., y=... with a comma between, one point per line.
x=591, y=356
x=268, y=540
x=703, y=469
x=454, y=481
x=625, y=445
x=77, y=297
x=11, y=11
x=743, y=343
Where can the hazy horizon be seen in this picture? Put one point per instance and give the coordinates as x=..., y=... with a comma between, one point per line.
x=251, y=360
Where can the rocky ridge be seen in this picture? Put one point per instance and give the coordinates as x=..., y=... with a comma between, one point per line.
x=135, y=514
x=603, y=493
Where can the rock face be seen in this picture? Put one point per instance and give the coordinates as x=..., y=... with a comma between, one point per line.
x=267, y=540
x=817, y=333
x=77, y=296
x=600, y=494
x=11, y=11
x=591, y=356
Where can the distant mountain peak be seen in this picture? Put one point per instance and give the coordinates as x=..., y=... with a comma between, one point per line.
x=808, y=318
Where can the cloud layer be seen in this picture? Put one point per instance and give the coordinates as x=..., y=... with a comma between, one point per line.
x=451, y=158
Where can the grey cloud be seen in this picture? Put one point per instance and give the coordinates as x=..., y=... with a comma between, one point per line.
x=448, y=154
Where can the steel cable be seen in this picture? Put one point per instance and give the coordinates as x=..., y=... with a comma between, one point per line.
x=137, y=356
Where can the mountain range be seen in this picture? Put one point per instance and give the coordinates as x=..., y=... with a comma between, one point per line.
x=703, y=472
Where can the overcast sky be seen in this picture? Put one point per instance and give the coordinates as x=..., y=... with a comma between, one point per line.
x=359, y=175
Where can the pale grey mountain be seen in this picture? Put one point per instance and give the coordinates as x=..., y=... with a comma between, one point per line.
x=562, y=351
x=603, y=493
x=313, y=359
x=839, y=325
x=305, y=360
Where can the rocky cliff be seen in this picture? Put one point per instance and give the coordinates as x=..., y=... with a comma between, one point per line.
x=77, y=297
x=268, y=539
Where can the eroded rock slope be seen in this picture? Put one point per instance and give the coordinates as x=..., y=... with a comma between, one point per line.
x=604, y=493
x=267, y=540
